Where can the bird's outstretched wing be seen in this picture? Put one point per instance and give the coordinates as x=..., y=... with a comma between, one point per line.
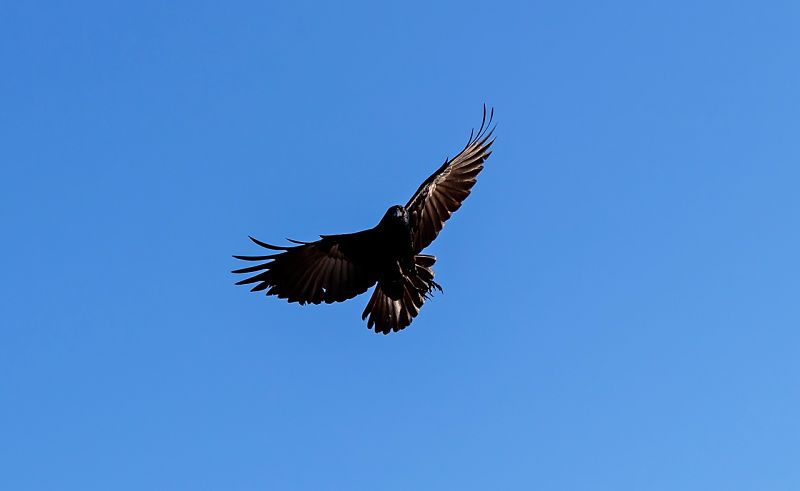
x=332, y=269
x=443, y=192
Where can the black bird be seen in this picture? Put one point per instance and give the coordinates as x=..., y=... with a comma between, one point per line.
x=339, y=267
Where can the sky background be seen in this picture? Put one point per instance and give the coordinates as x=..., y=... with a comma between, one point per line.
x=621, y=303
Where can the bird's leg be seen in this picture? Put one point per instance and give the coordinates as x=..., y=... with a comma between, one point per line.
x=407, y=265
x=392, y=282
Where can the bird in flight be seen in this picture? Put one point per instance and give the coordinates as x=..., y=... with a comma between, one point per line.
x=339, y=267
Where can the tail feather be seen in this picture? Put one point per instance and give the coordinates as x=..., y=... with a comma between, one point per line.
x=386, y=314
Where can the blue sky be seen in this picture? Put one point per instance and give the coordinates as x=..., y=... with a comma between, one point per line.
x=621, y=289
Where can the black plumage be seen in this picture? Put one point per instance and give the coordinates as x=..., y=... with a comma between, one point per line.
x=339, y=267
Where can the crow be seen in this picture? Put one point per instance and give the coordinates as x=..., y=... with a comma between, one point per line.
x=339, y=267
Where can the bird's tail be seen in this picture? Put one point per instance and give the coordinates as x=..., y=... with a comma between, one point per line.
x=387, y=314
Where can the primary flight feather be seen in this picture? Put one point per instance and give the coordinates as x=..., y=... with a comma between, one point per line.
x=339, y=267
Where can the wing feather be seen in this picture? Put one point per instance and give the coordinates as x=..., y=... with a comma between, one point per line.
x=332, y=269
x=444, y=191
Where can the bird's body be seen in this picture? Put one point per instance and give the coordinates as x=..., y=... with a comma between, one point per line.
x=339, y=267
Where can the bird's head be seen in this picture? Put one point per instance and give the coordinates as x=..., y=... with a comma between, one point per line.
x=396, y=214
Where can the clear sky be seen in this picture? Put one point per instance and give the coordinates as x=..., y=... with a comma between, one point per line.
x=622, y=297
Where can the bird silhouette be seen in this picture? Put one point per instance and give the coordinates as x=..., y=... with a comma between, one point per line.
x=339, y=267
